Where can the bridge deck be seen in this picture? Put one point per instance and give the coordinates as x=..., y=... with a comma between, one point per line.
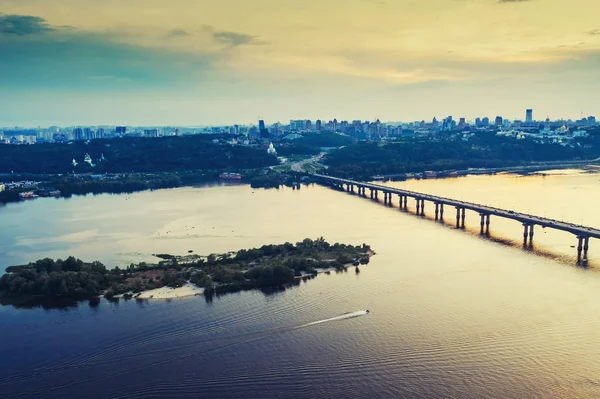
x=578, y=230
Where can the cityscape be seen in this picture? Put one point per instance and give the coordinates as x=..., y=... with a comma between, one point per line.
x=543, y=130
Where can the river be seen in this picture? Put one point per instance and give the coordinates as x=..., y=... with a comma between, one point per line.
x=451, y=314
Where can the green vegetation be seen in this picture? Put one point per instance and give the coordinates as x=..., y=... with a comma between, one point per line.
x=312, y=143
x=269, y=266
x=164, y=154
x=484, y=150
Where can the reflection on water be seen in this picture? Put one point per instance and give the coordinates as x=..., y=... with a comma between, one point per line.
x=451, y=315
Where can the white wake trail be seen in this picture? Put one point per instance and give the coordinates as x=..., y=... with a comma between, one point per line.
x=341, y=317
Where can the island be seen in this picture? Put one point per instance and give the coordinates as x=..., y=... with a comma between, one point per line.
x=270, y=267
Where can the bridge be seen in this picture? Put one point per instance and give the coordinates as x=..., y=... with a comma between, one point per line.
x=583, y=233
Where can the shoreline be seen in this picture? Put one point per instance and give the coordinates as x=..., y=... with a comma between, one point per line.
x=187, y=290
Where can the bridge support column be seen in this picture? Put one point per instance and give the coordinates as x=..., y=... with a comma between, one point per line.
x=401, y=201
x=376, y=194
x=457, y=217
x=482, y=223
x=437, y=210
x=463, y=219
x=525, y=232
x=487, y=225
x=579, y=248
x=422, y=207
x=371, y=192
x=531, y=235
x=418, y=205
x=586, y=246
x=442, y=211
x=406, y=203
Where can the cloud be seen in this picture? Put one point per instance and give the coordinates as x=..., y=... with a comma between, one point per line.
x=23, y=25
x=595, y=32
x=178, y=33
x=35, y=54
x=232, y=38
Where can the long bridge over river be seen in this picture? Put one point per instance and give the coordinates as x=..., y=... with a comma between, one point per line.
x=583, y=233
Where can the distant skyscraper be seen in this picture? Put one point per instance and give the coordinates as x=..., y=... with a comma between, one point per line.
x=151, y=132
x=120, y=130
x=308, y=125
x=88, y=134
x=100, y=133
x=78, y=134
x=477, y=122
x=261, y=125
x=485, y=121
x=498, y=121
x=318, y=124
x=529, y=116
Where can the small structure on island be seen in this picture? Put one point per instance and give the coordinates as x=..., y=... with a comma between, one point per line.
x=271, y=150
x=88, y=160
x=74, y=162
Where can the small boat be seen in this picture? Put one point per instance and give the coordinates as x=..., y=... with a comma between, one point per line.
x=367, y=311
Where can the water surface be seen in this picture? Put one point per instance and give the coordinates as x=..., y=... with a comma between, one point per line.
x=451, y=315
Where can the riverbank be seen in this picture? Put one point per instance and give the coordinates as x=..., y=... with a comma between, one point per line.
x=523, y=169
x=187, y=290
x=28, y=187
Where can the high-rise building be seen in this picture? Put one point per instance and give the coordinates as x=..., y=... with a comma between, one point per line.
x=78, y=133
x=261, y=125
x=318, y=124
x=100, y=133
x=308, y=125
x=88, y=134
x=485, y=121
x=120, y=130
x=478, y=122
x=498, y=121
x=151, y=132
x=529, y=116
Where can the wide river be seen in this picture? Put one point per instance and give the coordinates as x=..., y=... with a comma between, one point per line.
x=452, y=315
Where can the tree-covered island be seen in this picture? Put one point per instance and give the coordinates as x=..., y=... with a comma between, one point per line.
x=267, y=267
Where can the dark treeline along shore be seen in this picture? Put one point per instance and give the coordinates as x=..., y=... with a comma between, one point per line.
x=130, y=154
x=130, y=164
x=364, y=160
x=267, y=267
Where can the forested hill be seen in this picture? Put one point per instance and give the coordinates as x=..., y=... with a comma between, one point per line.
x=162, y=154
x=366, y=159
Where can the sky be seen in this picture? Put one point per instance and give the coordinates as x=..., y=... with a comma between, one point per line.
x=211, y=62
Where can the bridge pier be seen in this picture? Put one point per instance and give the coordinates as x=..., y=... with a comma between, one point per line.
x=418, y=205
x=437, y=210
x=487, y=225
x=463, y=219
x=406, y=203
x=531, y=235
x=371, y=192
x=579, y=248
x=586, y=246
x=442, y=211
x=458, y=217
x=422, y=207
x=482, y=223
x=528, y=232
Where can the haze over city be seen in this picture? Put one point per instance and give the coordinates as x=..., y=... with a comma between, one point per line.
x=83, y=62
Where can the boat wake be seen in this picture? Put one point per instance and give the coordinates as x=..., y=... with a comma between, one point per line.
x=341, y=317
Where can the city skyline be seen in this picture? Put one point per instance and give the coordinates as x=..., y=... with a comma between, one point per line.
x=81, y=62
